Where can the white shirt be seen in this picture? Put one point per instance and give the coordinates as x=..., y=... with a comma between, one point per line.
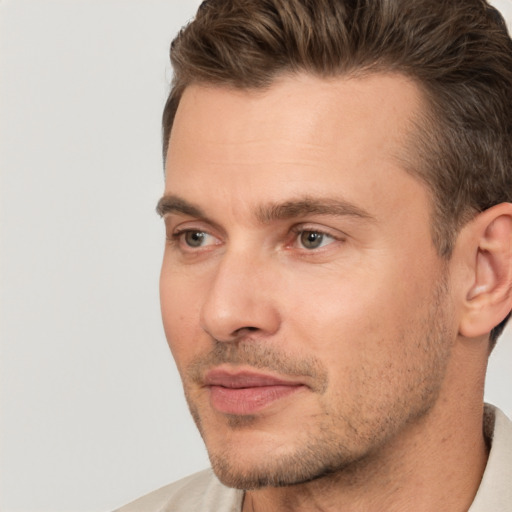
x=495, y=491
x=202, y=492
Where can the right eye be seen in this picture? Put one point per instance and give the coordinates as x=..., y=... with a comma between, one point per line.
x=194, y=238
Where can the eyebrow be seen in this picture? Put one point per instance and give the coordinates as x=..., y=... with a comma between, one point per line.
x=174, y=204
x=272, y=212
x=310, y=206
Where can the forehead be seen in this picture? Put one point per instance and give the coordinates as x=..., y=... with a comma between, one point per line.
x=302, y=135
x=301, y=108
x=389, y=99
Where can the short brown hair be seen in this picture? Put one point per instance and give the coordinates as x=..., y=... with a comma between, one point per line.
x=457, y=51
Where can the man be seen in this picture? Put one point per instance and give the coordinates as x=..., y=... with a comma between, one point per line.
x=338, y=264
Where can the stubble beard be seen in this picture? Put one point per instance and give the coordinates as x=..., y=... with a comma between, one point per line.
x=346, y=441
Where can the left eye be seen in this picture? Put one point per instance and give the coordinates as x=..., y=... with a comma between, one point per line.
x=314, y=239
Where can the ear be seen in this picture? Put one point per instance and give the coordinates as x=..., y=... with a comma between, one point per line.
x=487, y=242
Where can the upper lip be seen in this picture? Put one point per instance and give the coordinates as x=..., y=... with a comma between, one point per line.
x=244, y=379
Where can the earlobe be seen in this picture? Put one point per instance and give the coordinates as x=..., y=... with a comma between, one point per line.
x=489, y=296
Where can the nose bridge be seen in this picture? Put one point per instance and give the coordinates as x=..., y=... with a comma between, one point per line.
x=240, y=296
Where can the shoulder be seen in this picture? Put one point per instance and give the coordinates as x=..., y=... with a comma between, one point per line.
x=495, y=492
x=201, y=491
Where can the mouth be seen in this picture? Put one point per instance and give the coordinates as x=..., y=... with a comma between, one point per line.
x=245, y=392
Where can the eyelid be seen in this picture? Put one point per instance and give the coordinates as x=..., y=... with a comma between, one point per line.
x=315, y=228
x=179, y=223
x=174, y=219
x=177, y=232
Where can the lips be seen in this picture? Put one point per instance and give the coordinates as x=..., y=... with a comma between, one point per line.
x=244, y=393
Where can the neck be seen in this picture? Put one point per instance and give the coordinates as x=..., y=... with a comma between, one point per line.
x=435, y=463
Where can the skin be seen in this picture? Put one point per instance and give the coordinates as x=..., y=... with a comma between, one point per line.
x=367, y=318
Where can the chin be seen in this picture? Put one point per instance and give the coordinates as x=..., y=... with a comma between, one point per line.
x=249, y=462
x=276, y=471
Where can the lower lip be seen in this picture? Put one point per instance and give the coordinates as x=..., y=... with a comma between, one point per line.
x=242, y=401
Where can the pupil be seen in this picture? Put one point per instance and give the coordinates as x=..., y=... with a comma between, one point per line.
x=194, y=238
x=311, y=240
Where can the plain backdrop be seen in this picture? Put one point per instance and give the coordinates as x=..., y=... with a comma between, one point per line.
x=92, y=413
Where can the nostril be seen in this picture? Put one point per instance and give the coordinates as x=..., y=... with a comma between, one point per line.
x=240, y=331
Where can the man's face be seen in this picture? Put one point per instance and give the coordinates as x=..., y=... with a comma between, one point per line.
x=302, y=298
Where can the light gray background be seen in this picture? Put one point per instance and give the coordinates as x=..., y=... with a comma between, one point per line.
x=92, y=413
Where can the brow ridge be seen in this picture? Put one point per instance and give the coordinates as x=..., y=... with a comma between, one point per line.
x=271, y=212
x=309, y=206
x=170, y=203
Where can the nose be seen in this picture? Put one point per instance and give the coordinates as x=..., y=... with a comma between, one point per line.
x=241, y=299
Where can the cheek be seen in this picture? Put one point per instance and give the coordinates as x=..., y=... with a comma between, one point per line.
x=356, y=323
x=180, y=312
x=342, y=312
